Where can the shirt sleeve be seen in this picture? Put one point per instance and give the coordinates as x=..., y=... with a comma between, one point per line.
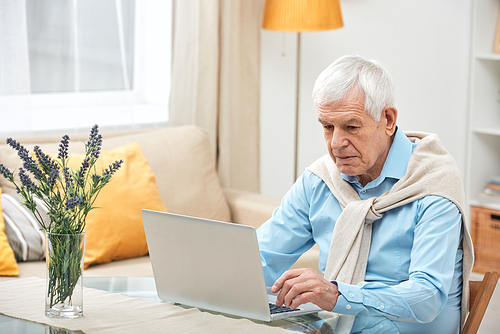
x=436, y=260
x=287, y=234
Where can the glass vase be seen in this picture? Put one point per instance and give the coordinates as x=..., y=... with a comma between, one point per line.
x=64, y=258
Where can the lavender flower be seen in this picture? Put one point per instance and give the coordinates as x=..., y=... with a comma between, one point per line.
x=63, y=147
x=54, y=174
x=45, y=161
x=26, y=181
x=68, y=179
x=6, y=172
x=93, y=132
x=83, y=170
x=28, y=162
x=15, y=145
x=97, y=150
x=73, y=202
x=113, y=168
x=95, y=142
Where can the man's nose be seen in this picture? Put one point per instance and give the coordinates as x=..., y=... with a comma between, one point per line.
x=338, y=140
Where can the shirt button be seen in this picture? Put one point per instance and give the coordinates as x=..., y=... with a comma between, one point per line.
x=381, y=307
x=363, y=191
x=348, y=306
x=351, y=294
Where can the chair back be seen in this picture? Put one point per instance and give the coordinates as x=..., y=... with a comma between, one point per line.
x=480, y=295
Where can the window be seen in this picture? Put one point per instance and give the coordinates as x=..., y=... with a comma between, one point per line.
x=71, y=64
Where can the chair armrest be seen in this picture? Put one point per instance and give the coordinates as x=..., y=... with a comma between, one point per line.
x=250, y=208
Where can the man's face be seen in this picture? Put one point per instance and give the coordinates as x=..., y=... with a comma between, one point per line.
x=357, y=143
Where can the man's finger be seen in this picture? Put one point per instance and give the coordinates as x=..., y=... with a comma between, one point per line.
x=302, y=298
x=284, y=284
x=284, y=293
x=295, y=290
x=278, y=285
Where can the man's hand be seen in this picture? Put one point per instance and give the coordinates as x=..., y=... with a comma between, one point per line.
x=300, y=286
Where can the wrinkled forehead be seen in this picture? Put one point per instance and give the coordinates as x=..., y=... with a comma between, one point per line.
x=354, y=97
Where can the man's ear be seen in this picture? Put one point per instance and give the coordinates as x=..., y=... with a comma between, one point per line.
x=390, y=114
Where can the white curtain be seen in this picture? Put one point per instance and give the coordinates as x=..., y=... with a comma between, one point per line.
x=215, y=81
x=14, y=56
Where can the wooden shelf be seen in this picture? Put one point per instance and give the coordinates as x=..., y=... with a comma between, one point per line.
x=487, y=131
x=488, y=56
x=485, y=203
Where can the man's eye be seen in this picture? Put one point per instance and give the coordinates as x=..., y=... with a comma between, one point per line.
x=327, y=127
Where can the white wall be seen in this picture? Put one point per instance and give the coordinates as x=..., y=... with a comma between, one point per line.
x=424, y=44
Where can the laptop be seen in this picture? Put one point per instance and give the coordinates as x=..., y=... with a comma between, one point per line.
x=210, y=265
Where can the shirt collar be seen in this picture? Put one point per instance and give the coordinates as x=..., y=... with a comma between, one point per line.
x=395, y=163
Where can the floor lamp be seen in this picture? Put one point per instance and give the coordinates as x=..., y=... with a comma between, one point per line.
x=301, y=16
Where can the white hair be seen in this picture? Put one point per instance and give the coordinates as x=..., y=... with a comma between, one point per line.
x=369, y=76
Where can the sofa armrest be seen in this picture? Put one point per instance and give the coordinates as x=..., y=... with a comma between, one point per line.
x=250, y=208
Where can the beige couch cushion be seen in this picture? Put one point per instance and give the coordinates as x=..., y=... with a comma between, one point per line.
x=184, y=166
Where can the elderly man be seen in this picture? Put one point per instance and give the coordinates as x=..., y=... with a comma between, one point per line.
x=385, y=208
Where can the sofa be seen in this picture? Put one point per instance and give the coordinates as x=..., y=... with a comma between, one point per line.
x=183, y=180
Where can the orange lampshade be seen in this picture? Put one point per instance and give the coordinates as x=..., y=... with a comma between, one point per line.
x=302, y=15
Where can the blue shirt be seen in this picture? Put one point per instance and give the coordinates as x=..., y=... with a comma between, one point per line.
x=414, y=270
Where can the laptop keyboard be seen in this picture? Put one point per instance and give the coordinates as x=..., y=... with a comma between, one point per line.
x=274, y=309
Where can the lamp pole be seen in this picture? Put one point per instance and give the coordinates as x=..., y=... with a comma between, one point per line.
x=297, y=107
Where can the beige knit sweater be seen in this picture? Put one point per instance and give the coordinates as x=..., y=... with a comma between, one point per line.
x=431, y=171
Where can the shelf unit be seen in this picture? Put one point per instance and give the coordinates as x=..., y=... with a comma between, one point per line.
x=483, y=154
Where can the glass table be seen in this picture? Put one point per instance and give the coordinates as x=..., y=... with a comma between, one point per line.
x=144, y=287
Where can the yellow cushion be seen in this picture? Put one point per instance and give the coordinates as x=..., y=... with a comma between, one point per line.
x=114, y=228
x=8, y=264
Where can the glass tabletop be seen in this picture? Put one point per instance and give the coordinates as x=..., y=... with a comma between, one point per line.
x=144, y=287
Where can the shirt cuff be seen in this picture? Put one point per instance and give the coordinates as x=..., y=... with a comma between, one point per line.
x=350, y=301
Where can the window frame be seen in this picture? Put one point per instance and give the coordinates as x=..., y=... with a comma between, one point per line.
x=145, y=105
